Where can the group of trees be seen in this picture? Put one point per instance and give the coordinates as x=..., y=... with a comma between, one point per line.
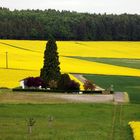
x=65, y=25
x=50, y=75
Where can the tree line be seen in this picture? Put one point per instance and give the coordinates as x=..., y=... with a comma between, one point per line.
x=66, y=25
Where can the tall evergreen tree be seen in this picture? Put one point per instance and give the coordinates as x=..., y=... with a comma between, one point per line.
x=51, y=69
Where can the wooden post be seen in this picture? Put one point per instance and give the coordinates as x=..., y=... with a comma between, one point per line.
x=6, y=60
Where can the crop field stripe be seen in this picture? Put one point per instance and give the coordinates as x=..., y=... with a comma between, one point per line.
x=124, y=62
x=121, y=83
x=21, y=48
x=98, y=68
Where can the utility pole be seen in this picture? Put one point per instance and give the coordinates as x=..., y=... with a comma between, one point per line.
x=6, y=60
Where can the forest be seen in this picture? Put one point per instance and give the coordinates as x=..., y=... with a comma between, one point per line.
x=66, y=25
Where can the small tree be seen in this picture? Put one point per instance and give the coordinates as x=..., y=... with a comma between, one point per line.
x=51, y=69
x=30, y=123
x=50, y=120
x=52, y=84
x=88, y=85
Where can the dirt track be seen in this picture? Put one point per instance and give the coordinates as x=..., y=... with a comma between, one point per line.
x=87, y=98
x=28, y=97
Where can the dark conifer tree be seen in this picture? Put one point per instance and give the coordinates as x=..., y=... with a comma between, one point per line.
x=51, y=69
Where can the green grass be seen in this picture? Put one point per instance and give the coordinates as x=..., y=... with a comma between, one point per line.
x=71, y=121
x=5, y=90
x=121, y=83
x=124, y=62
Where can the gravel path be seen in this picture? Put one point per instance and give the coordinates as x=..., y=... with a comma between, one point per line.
x=86, y=98
x=118, y=97
x=25, y=97
x=80, y=77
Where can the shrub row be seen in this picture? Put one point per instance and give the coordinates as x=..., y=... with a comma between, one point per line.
x=64, y=83
x=55, y=91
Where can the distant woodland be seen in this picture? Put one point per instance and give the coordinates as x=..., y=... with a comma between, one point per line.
x=66, y=25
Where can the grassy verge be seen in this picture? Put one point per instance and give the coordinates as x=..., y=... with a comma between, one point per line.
x=5, y=90
x=121, y=83
x=70, y=121
x=30, y=97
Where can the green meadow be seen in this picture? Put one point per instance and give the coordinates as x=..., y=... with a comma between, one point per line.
x=69, y=121
x=121, y=83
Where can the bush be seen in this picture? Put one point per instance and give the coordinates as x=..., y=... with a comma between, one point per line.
x=65, y=83
x=89, y=86
x=52, y=84
x=34, y=82
x=73, y=85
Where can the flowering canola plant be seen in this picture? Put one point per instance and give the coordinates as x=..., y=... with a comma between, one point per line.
x=104, y=49
x=11, y=77
x=135, y=125
x=69, y=65
x=25, y=58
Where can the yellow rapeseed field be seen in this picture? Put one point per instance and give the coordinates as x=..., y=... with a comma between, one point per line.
x=70, y=65
x=100, y=49
x=135, y=125
x=25, y=58
x=11, y=77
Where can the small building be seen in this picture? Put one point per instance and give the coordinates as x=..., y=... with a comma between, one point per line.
x=22, y=83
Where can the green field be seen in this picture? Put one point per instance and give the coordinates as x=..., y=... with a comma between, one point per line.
x=121, y=83
x=70, y=121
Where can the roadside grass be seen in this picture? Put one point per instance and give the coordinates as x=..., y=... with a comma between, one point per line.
x=120, y=83
x=70, y=121
x=5, y=90
x=124, y=62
